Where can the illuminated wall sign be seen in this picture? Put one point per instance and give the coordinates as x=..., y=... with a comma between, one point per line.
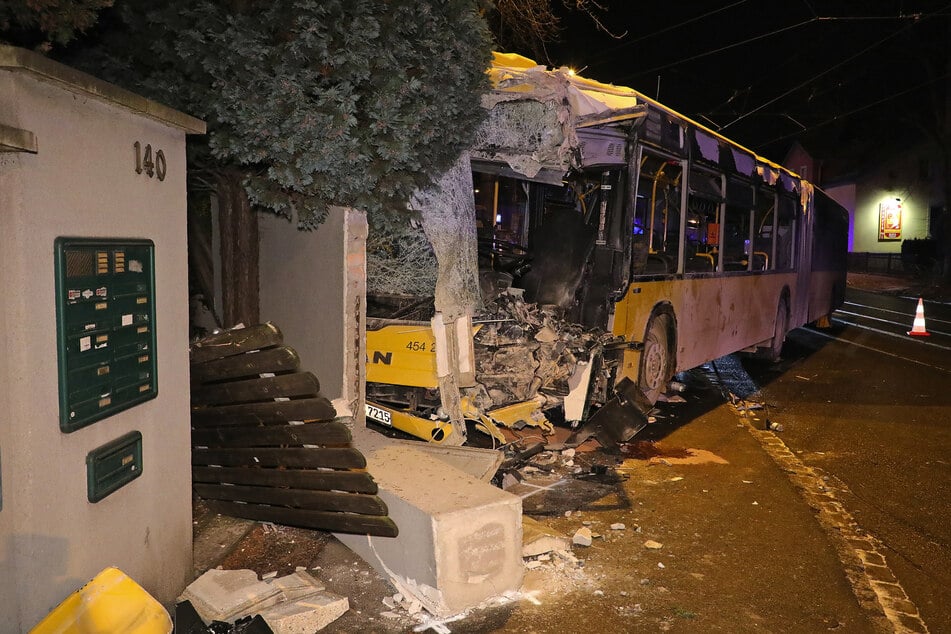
x=889, y=220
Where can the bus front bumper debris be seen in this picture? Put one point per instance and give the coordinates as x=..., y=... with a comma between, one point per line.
x=619, y=419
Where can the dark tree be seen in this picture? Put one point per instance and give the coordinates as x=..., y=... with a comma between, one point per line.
x=309, y=103
x=43, y=23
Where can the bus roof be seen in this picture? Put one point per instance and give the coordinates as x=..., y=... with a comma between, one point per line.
x=515, y=77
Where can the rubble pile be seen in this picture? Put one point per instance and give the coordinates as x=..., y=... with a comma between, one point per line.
x=525, y=350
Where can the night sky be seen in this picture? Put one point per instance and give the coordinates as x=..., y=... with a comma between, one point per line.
x=845, y=78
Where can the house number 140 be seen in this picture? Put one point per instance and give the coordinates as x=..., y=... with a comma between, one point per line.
x=151, y=164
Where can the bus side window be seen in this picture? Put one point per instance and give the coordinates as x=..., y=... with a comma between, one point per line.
x=786, y=233
x=657, y=217
x=764, y=230
x=737, y=234
x=702, y=232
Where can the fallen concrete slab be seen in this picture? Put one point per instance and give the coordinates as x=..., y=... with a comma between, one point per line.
x=297, y=585
x=227, y=595
x=460, y=540
x=306, y=615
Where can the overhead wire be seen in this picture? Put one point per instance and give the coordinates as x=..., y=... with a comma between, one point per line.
x=719, y=50
x=830, y=69
x=844, y=115
x=672, y=27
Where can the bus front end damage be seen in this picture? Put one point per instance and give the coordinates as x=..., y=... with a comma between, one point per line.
x=532, y=369
x=549, y=172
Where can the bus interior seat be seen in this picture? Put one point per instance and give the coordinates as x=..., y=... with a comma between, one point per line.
x=660, y=264
x=699, y=263
x=560, y=248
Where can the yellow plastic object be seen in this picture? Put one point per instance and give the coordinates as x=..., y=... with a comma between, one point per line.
x=111, y=603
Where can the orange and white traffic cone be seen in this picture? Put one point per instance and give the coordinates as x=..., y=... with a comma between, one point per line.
x=918, y=328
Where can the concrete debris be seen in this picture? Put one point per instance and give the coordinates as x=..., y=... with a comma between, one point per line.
x=582, y=537
x=227, y=595
x=618, y=526
x=652, y=545
x=292, y=604
x=509, y=480
x=306, y=615
x=538, y=539
x=297, y=585
x=568, y=453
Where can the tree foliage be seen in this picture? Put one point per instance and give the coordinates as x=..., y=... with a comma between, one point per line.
x=43, y=23
x=319, y=102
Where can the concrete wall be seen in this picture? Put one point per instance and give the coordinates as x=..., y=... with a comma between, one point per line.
x=81, y=182
x=313, y=285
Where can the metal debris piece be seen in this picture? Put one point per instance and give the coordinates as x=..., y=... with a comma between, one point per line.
x=621, y=417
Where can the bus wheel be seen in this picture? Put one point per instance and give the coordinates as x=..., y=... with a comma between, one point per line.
x=655, y=359
x=775, y=348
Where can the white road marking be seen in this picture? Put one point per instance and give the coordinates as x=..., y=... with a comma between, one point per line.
x=890, y=334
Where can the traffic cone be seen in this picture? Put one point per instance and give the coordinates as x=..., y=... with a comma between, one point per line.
x=918, y=328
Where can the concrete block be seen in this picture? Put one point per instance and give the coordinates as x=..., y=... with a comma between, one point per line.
x=460, y=539
x=226, y=595
x=297, y=585
x=307, y=615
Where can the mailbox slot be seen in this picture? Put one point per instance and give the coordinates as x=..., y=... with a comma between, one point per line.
x=113, y=465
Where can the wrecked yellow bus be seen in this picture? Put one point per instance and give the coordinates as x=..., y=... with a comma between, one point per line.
x=645, y=242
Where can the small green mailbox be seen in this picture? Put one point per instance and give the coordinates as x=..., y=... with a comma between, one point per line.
x=105, y=327
x=114, y=465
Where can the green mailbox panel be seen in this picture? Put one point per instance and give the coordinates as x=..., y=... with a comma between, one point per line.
x=113, y=465
x=105, y=327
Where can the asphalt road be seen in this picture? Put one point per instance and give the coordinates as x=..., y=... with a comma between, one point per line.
x=869, y=407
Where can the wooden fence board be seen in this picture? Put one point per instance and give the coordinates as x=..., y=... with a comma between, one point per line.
x=295, y=498
x=290, y=457
x=250, y=461
x=232, y=342
x=321, y=520
x=353, y=481
x=294, y=385
x=273, y=435
x=304, y=409
x=274, y=360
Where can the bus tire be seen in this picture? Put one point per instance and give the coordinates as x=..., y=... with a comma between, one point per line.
x=775, y=349
x=656, y=362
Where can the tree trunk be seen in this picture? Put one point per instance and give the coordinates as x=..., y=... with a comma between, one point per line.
x=448, y=215
x=239, y=251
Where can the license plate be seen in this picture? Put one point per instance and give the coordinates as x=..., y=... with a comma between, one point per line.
x=378, y=414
